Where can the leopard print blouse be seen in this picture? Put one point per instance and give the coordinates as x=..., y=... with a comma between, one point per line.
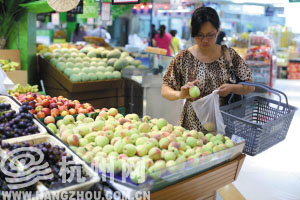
x=187, y=68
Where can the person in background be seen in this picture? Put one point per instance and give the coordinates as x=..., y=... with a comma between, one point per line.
x=100, y=31
x=78, y=34
x=220, y=37
x=163, y=40
x=151, y=35
x=175, y=43
x=204, y=65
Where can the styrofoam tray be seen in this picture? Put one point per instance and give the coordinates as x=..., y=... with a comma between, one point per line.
x=15, y=106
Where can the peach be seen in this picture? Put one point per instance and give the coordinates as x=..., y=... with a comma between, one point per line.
x=169, y=155
x=65, y=135
x=154, y=153
x=142, y=150
x=160, y=123
x=174, y=145
x=97, y=125
x=144, y=128
x=164, y=143
x=73, y=140
x=129, y=150
x=112, y=112
x=49, y=119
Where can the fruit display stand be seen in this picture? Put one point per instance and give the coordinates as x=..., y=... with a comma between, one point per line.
x=204, y=185
x=100, y=94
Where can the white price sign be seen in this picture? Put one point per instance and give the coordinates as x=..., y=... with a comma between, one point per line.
x=105, y=11
x=55, y=18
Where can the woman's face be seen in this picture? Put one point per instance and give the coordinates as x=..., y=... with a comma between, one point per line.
x=207, y=36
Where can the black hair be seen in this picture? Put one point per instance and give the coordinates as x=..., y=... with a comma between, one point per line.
x=162, y=30
x=202, y=15
x=173, y=33
x=77, y=28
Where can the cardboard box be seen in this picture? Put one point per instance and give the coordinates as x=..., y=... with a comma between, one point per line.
x=18, y=76
x=11, y=54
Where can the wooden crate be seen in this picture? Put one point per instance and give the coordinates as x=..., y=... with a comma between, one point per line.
x=48, y=70
x=99, y=93
x=204, y=185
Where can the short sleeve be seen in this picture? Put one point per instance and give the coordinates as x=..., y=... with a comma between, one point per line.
x=241, y=69
x=172, y=76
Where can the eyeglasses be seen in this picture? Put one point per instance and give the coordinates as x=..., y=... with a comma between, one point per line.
x=208, y=36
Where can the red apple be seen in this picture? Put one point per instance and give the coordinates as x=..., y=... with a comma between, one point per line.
x=90, y=109
x=38, y=108
x=29, y=98
x=82, y=110
x=46, y=111
x=53, y=105
x=49, y=119
x=64, y=113
x=45, y=103
x=76, y=102
x=62, y=108
x=34, y=95
x=59, y=103
x=40, y=115
x=55, y=112
x=72, y=111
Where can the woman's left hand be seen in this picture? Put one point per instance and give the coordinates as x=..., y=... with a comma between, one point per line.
x=225, y=89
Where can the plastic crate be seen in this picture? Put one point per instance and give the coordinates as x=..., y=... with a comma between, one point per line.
x=260, y=121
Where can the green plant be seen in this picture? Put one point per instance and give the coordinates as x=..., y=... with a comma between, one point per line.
x=10, y=13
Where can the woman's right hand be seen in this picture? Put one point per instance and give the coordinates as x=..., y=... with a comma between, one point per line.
x=184, y=92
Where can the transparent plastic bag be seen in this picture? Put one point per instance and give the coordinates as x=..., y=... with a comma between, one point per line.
x=5, y=83
x=208, y=112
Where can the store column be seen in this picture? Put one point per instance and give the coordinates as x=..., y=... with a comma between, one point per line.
x=24, y=38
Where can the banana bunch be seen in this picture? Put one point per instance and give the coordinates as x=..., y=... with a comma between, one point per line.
x=20, y=89
x=8, y=65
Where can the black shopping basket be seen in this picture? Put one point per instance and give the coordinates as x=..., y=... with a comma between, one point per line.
x=260, y=121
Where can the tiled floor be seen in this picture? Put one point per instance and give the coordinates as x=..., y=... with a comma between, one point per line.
x=275, y=173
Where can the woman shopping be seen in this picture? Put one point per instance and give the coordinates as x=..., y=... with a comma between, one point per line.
x=204, y=65
x=163, y=39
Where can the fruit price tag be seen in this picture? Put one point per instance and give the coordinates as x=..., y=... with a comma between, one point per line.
x=236, y=139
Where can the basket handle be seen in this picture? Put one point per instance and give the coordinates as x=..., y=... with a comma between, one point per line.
x=269, y=89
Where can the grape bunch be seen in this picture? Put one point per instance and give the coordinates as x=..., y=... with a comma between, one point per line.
x=13, y=124
x=53, y=154
x=4, y=184
x=4, y=107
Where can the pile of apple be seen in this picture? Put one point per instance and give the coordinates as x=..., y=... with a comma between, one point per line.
x=43, y=105
x=112, y=136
